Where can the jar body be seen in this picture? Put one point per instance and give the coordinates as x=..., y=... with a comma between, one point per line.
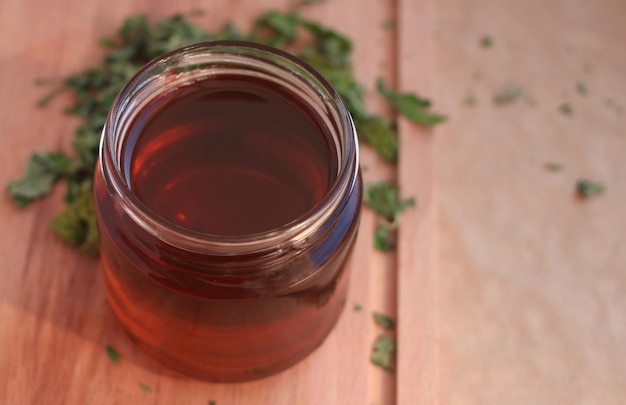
x=235, y=311
x=222, y=327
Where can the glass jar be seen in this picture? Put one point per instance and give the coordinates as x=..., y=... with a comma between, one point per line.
x=226, y=306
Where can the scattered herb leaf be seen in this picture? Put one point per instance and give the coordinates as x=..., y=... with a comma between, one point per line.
x=113, y=354
x=145, y=387
x=42, y=171
x=388, y=24
x=384, y=198
x=384, y=321
x=410, y=105
x=212, y=402
x=380, y=133
x=553, y=167
x=306, y=2
x=385, y=238
x=581, y=88
x=566, y=109
x=357, y=307
x=78, y=224
x=507, y=94
x=486, y=41
x=383, y=353
x=470, y=100
x=588, y=188
x=43, y=101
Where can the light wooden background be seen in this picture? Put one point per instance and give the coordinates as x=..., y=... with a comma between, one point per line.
x=506, y=287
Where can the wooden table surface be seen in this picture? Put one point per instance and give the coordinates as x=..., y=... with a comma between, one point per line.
x=507, y=288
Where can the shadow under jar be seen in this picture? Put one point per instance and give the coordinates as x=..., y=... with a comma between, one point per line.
x=228, y=195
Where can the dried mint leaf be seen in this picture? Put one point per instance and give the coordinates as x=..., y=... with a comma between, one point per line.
x=42, y=171
x=388, y=24
x=507, y=94
x=566, y=109
x=552, y=166
x=78, y=224
x=410, y=105
x=381, y=135
x=383, y=353
x=384, y=198
x=113, y=354
x=486, y=41
x=588, y=188
x=384, y=321
x=385, y=237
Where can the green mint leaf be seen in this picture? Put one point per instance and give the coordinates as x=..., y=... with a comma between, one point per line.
x=552, y=167
x=335, y=47
x=384, y=198
x=383, y=352
x=566, y=109
x=486, y=41
x=357, y=307
x=145, y=387
x=77, y=224
x=507, y=94
x=42, y=171
x=384, y=321
x=581, y=88
x=470, y=100
x=385, y=238
x=106, y=42
x=388, y=24
x=276, y=29
x=410, y=105
x=43, y=101
x=113, y=354
x=381, y=135
x=588, y=188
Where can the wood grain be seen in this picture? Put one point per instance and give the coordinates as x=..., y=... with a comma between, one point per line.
x=531, y=279
x=56, y=323
x=417, y=283
x=508, y=289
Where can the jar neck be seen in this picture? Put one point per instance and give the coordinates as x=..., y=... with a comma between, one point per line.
x=210, y=60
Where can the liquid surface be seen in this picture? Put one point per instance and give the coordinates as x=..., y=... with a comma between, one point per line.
x=229, y=156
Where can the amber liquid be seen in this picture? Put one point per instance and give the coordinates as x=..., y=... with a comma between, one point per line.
x=228, y=156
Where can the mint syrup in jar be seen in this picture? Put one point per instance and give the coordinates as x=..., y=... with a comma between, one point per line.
x=228, y=195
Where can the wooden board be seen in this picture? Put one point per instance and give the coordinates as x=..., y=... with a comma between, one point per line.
x=531, y=279
x=56, y=323
x=507, y=288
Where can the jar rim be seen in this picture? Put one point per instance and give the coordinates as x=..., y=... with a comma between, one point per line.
x=287, y=235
